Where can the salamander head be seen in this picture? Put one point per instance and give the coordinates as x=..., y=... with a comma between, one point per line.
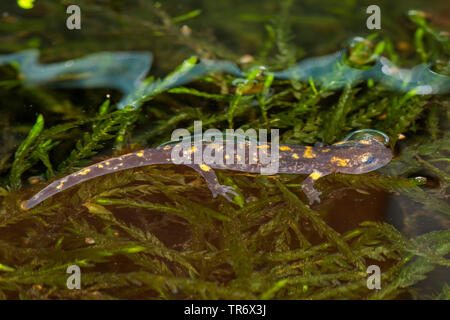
x=355, y=157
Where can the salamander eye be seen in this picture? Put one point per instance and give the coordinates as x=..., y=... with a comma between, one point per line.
x=370, y=160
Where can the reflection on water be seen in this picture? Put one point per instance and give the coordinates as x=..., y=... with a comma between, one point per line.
x=117, y=70
x=125, y=71
x=368, y=134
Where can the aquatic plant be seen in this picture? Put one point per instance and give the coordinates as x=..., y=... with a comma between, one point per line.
x=156, y=233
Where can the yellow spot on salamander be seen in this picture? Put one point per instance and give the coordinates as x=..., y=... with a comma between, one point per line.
x=60, y=185
x=167, y=147
x=85, y=172
x=238, y=157
x=227, y=156
x=339, y=161
x=204, y=167
x=107, y=163
x=265, y=146
x=315, y=175
x=140, y=154
x=326, y=150
x=364, y=157
x=309, y=153
x=365, y=142
x=193, y=149
x=216, y=146
x=295, y=156
x=285, y=148
x=23, y=205
x=100, y=166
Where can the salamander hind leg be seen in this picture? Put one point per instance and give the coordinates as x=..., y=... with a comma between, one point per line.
x=213, y=183
x=308, y=186
x=223, y=191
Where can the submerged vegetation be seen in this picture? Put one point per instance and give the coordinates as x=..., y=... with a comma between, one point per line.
x=156, y=232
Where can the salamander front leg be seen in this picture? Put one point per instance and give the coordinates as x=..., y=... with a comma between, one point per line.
x=308, y=186
x=213, y=183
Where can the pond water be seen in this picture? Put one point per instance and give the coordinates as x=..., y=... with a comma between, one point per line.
x=109, y=78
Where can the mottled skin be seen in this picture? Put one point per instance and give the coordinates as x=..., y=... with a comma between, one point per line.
x=350, y=157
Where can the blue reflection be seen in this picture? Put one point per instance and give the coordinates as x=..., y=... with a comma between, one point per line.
x=125, y=71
